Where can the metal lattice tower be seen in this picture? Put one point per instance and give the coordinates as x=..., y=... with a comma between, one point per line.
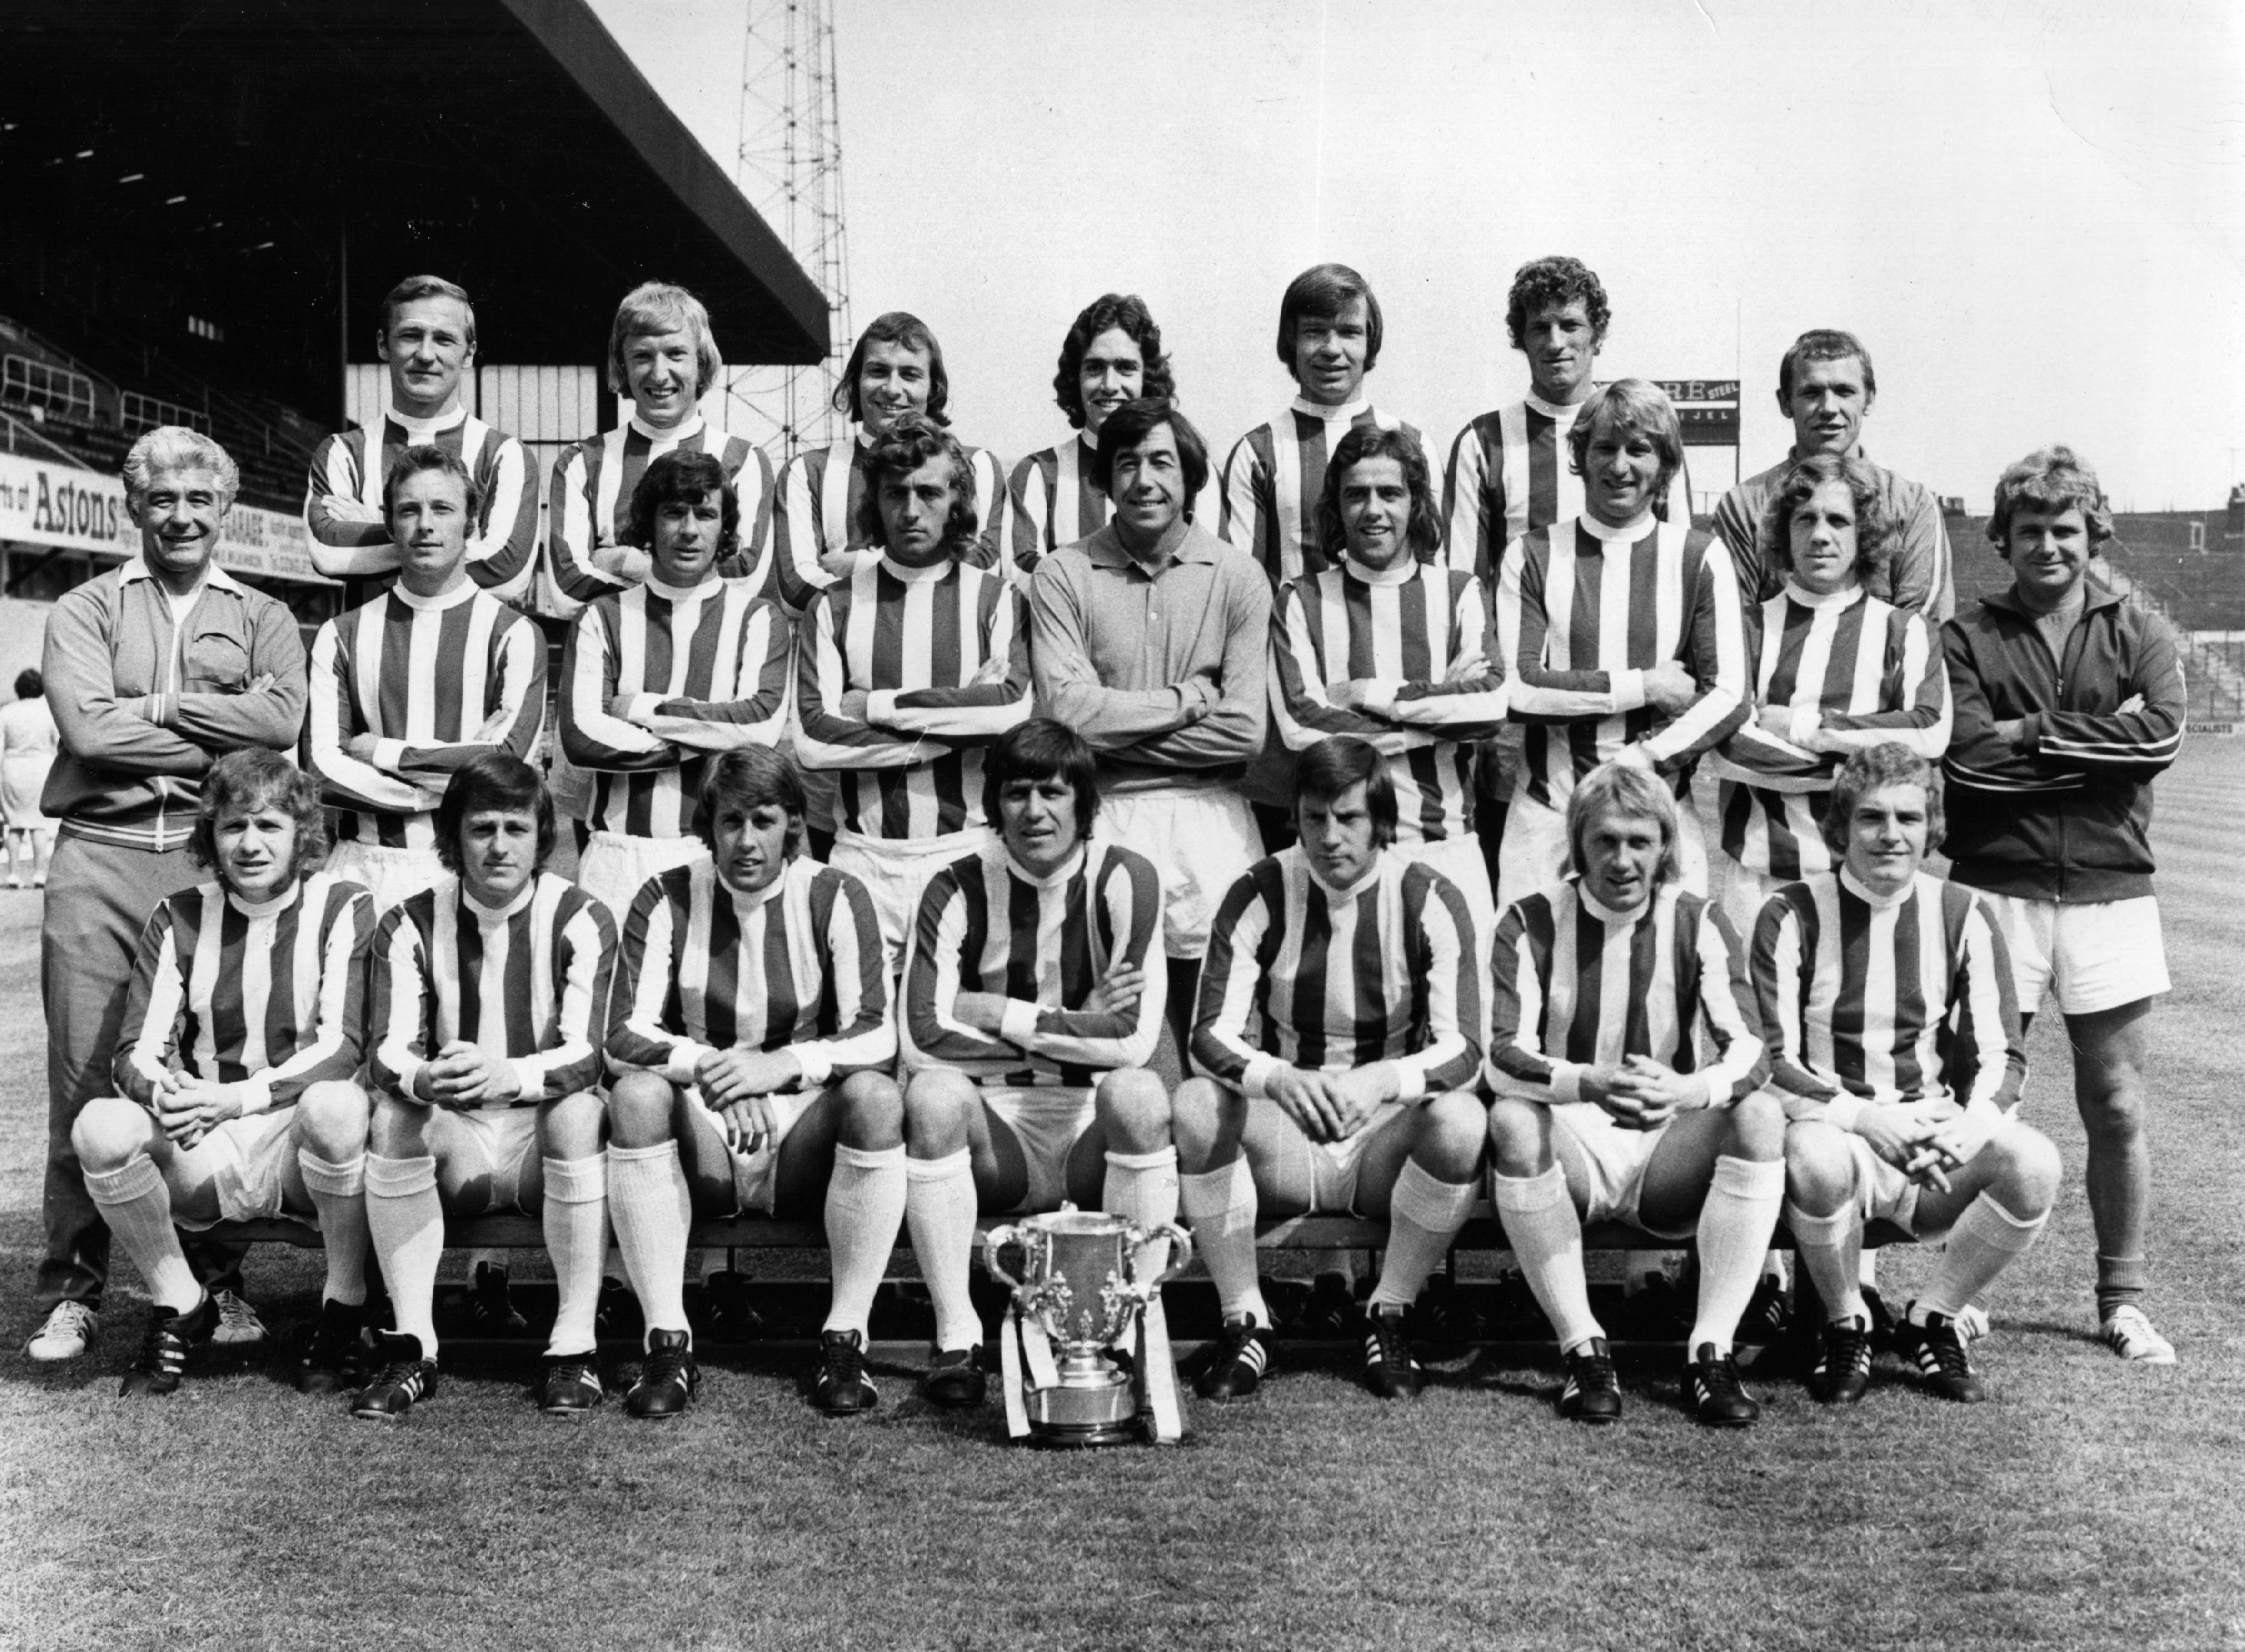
x=789, y=168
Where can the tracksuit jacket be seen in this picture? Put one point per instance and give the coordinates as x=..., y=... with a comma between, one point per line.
x=2066, y=814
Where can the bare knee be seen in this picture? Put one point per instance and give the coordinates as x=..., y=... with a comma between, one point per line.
x=1452, y=1129
x=397, y=1129
x=1820, y=1168
x=108, y=1132
x=936, y=1106
x=1519, y=1137
x=872, y=1113
x=1134, y=1105
x=1758, y=1127
x=570, y=1129
x=1199, y=1116
x=332, y=1118
x=640, y=1108
x=2029, y=1171
x=2112, y=1115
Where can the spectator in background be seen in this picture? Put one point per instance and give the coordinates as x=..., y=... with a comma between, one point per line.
x=158, y=667
x=27, y=751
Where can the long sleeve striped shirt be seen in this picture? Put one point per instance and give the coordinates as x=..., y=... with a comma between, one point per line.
x=818, y=511
x=1396, y=631
x=342, y=500
x=527, y=985
x=943, y=655
x=1274, y=477
x=1577, y=984
x=1054, y=501
x=437, y=681
x=592, y=494
x=1905, y=999
x=797, y=966
x=271, y=997
x=1860, y=671
x=1583, y=611
x=1508, y=476
x=985, y=925
x=702, y=670
x=1299, y=975
x=1919, y=576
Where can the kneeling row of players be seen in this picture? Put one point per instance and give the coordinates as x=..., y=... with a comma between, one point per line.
x=1616, y=1054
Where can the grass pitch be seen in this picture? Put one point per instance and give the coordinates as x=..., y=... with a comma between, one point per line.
x=2092, y=1505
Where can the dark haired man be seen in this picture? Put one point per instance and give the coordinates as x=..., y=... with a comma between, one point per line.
x=1028, y=1018
x=1339, y=1027
x=487, y=996
x=906, y=671
x=1112, y=354
x=427, y=338
x=1150, y=642
x=749, y=1032
x=1826, y=388
x=429, y=676
x=235, y=1096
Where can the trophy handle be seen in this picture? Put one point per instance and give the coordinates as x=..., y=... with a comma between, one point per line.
x=1180, y=1254
x=997, y=1238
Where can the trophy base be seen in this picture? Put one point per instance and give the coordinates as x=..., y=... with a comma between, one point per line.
x=1068, y=1417
x=1076, y=1439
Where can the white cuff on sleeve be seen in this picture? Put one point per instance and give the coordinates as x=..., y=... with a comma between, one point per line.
x=1842, y=1110
x=1566, y=1082
x=388, y=754
x=818, y=1065
x=256, y=1096
x=881, y=705
x=1410, y=1080
x=1380, y=695
x=1806, y=720
x=1256, y=1080
x=685, y=1056
x=642, y=707
x=1019, y=1024
x=1628, y=690
x=531, y=1077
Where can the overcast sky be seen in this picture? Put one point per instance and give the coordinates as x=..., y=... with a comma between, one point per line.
x=2034, y=213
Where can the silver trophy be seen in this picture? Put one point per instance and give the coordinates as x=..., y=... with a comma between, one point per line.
x=1078, y=1300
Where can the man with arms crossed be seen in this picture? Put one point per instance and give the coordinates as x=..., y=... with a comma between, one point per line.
x=1886, y=994
x=427, y=339
x=749, y=1033
x=2069, y=701
x=1339, y=1027
x=1028, y=1017
x=154, y=670
x=1626, y=1067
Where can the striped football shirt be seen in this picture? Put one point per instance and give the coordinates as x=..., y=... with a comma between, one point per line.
x=591, y=508
x=1399, y=630
x=269, y=995
x=1850, y=666
x=1274, y=480
x=799, y=966
x=1583, y=610
x=437, y=681
x=985, y=925
x=527, y=985
x=706, y=669
x=818, y=509
x=1904, y=999
x=1576, y=985
x=944, y=654
x=1054, y=501
x=1330, y=980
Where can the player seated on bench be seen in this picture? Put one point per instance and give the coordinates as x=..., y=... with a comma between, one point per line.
x=1029, y=1013
x=750, y=1034
x=1887, y=996
x=1627, y=1068
x=241, y=1035
x=487, y=993
x=1340, y=1023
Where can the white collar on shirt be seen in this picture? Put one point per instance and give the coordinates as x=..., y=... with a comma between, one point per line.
x=1838, y=598
x=1344, y=412
x=709, y=586
x=273, y=908
x=138, y=568
x=486, y=916
x=1089, y=437
x=917, y=576
x=1557, y=412
x=1606, y=914
x=1398, y=573
x=690, y=426
x=452, y=598
x=1628, y=534
x=1856, y=887
x=1370, y=877
x=1066, y=869
x=763, y=896
x=420, y=430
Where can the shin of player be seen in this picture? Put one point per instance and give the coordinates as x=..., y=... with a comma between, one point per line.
x=1627, y=1089
x=1340, y=1026
x=488, y=990
x=1888, y=999
x=750, y=1031
x=236, y=1099
x=1033, y=1000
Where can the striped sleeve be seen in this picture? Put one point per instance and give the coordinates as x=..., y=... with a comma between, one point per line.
x=765, y=658
x=643, y=1036
x=572, y=535
x=585, y=944
x=1537, y=692
x=1129, y=895
x=991, y=500
x=331, y=718
x=1924, y=581
x=501, y=557
x=153, y=1006
x=1474, y=519
x=979, y=710
x=1779, y=967
x=1727, y=1011
x=1986, y=1009
x=1470, y=708
x=511, y=721
x=1030, y=492
x=1442, y=932
x=1715, y=654
x=1249, y=508
x=863, y=1035
x=1916, y=694
x=798, y=535
x=338, y=1033
x=943, y=933
x=824, y=738
x=592, y=736
x=1520, y=967
x=750, y=561
x=333, y=514
x=1301, y=706
x=1249, y=921
x=401, y=1004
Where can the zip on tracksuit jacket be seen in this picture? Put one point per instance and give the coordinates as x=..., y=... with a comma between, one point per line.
x=2064, y=813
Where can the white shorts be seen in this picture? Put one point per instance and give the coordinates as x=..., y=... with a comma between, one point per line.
x=500, y=1137
x=616, y=865
x=1459, y=860
x=896, y=870
x=1048, y=1122
x=1883, y=1192
x=2097, y=954
x=1617, y=1159
x=1535, y=851
x=389, y=874
x=246, y=1160
x=756, y=1175
x=1334, y=1165
x=1202, y=841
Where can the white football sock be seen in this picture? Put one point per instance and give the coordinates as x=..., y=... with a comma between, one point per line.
x=1735, y=1224
x=864, y=1207
x=1220, y=1205
x=138, y=1208
x=1546, y=1231
x=405, y=1219
x=1424, y=1214
x=1986, y=1240
x=1142, y=1187
x=576, y=1222
x=339, y=1196
x=940, y=1204
x=651, y=1209
x=1828, y=1247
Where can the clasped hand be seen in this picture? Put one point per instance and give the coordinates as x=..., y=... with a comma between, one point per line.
x=1331, y=1106
x=463, y=1075
x=187, y=1108
x=1640, y=1093
x=738, y=1086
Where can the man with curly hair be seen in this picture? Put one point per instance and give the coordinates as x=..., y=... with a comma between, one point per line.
x=235, y=1096
x=1112, y=354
